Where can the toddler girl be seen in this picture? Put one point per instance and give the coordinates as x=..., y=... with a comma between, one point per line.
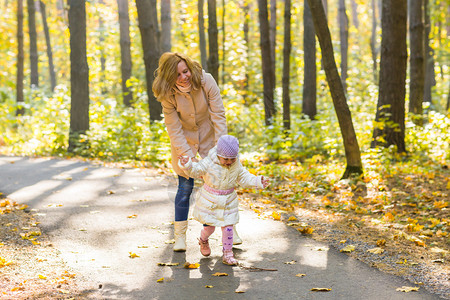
x=217, y=202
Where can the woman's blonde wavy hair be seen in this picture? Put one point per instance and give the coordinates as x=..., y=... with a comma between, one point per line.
x=166, y=75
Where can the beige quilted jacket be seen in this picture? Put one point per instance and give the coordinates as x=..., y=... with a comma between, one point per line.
x=211, y=208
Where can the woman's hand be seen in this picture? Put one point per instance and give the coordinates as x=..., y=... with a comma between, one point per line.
x=265, y=181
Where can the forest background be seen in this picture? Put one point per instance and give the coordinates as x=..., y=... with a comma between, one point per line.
x=402, y=194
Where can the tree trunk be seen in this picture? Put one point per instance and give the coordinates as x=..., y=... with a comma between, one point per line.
x=417, y=61
x=373, y=41
x=148, y=26
x=246, y=28
x=352, y=151
x=51, y=67
x=213, y=60
x=391, y=100
x=266, y=61
x=223, y=42
x=202, y=38
x=125, y=52
x=166, y=26
x=101, y=28
x=34, y=73
x=343, y=34
x=79, y=73
x=309, y=104
x=273, y=37
x=20, y=110
x=430, y=79
x=286, y=65
x=355, y=13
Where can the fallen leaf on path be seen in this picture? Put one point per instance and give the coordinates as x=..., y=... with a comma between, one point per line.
x=321, y=249
x=306, y=229
x=292, y=262
x=188, y=265
x=320, y=289
x=143, y=246
x=17, y=288
x=407, y=289
x=220, y=274
x=239, y=292
x=292, y=218
x=348, y=249
x=168, y=264
x=82, y=229
x=63, y=291
x=133, y=255
x=160, y=280
x=4, y=262
x=381, y=242
x=111, y=192
x=343, y=241
x=170, y=241
x=132, y=216
x=376, y=250
x=300, y=275
x=42, y=276
x=276, y=216
x=438, y=261
x=209, y=286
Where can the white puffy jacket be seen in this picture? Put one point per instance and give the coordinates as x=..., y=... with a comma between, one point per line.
x=213, y=209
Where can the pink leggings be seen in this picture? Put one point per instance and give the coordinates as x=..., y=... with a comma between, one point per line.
x=227, y=235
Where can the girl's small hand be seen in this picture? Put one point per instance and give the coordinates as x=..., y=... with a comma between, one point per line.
x=265, y=181
x=183, y=160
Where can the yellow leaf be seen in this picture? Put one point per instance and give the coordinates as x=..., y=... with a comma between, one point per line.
x=292, y=218
x=239, y=292
x=407, y=289
x=168, y=264
x=209, y=286
x=188, y=265
x=170, y=241
x=440, y=204
x=348, y=249
x=381, y=242
x=320, y=289
x=42, y=276
x=132, y=216
x=133, y=255
x=376, y=250
x=17, y=288
x=300, y=275
x=220, y=274
x=306, y=229
x=276, y=216
x=343, y=241
x=64, y=291
x=292, y=262
x=160, y=280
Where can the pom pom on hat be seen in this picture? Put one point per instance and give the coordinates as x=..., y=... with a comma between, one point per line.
x=227, y=146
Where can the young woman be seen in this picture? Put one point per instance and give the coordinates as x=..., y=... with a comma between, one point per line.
x=195, y=120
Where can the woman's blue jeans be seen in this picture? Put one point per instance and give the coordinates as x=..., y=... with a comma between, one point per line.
x=185, y=187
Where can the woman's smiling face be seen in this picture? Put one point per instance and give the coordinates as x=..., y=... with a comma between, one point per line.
x=184, y=74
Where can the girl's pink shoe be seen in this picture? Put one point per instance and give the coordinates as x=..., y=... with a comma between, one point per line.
x=228, y=258
x=204, y=247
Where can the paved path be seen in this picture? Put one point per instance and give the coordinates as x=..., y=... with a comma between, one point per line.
x=85, y=210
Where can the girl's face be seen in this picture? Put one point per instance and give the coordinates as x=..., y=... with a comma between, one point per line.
x=226, y=162
x=184, y=74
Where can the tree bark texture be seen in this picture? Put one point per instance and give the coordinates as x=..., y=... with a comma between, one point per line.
x=125, y=51
x=246, y=28
x=34, y=73
x=343, y=35
x=309, y=103
x=390, y=117
x=286, y=65
x=79, y=72
x=51, y=67
x=101, y=29
x=417, y=60
x=430, y=79
x=355, y=13
x=166, y=26
x=352, y=151
x=201, y=33
x=148, y=26
x=266, y=61
x=273, y=37
x=213, y=59
x=373, y=41
x=223, y=42
x=20, y=110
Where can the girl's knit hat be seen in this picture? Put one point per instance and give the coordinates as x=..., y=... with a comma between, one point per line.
x=227, y=146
